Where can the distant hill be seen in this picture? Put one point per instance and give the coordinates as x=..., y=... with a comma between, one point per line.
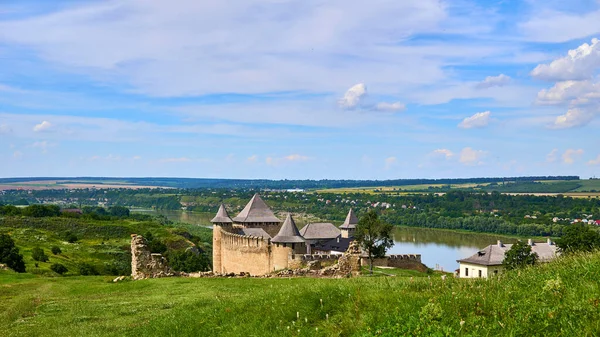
x=269, y=184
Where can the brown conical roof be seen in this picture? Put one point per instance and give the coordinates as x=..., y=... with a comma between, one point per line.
x=256, y=211
x=222, y=216
x=289, y=232
x=351, y=220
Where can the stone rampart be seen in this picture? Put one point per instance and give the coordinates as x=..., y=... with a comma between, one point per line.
x=315, y=257
x=403, y=261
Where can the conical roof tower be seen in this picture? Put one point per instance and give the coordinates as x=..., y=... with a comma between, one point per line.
x=222, y=216
x=288, y=233
x=351, y=220
x=256, y=211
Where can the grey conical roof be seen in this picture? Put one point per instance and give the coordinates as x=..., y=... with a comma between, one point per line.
x=256, y=211
x=222, y=216
x=351, y=220
x=288, y=233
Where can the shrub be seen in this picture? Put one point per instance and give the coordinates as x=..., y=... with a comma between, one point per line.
x=70, y=237
x=58, y=268
x=9, y=254
x=56, y=250
x=87, y=269
x=188, y=261
x=37, y=254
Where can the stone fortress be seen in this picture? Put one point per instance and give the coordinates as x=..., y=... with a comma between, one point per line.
x=256, y=242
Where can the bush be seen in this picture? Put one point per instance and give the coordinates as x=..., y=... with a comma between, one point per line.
x=56, y=250
x=188, y=261
x=9, y=254
x=87, y=269
x=58, y=268
x=37, y=254
x=70, y=237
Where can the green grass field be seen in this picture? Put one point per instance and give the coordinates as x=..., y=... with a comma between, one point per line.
x=557, y=299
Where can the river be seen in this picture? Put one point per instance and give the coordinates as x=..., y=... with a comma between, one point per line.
x=439, y=248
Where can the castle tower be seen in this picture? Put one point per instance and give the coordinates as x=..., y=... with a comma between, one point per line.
x=221, y=220
x=349, y=226
x=289, y=236
x=257, y=214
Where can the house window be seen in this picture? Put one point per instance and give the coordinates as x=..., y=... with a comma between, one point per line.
x=496, y=272
x=466, y=271
x=479, y=272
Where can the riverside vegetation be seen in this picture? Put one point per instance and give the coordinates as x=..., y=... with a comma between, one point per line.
x=561, y=298
x=522, y=215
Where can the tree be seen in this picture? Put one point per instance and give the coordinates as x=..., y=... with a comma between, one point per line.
x=9, y=254
x=58, y=268
x=578, y=238
x=519, y=256
x=374, y=236
x=119, y=211
x=37, y=254
x=56, y=250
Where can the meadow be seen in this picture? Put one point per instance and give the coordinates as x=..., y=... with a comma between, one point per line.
x=561, y=298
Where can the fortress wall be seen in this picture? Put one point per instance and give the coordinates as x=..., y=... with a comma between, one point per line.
x=405, y=261
x=241, y=253
x=282, y=256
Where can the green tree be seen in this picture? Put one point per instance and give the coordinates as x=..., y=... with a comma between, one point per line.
x=37, y=254
x=374, y=236
x=56, y=250
x=519, y=256
x=9, y=254
x=58, y=268
x=119, y=211
x=578, y=238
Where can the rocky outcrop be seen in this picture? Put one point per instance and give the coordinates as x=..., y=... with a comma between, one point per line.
x=145, y=264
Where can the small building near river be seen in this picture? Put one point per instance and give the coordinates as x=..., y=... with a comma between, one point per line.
x=488, y=261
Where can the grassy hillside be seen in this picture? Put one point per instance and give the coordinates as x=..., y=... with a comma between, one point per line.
x=104, y=245
x=556, y=299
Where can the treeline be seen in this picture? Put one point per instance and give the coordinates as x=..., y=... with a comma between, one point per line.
x=284, y=184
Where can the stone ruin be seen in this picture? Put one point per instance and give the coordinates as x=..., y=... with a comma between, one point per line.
x=145, y=264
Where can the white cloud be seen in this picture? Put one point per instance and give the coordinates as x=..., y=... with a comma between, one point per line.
x=5, y=129
x=552, y=156
x=469, y=156
x=292, y=158
x=444, y=152
x=595, y=161
x=570, y=92
x=383, y=106
x=573, y=118
x=570, y=155
x=17, y=154
x=353, y=96
x=296, y=157
x=161, y=49
x=43, y=126
x=494, y=81
x=136, y=157
x=42, y=145
x=175, y=160
x=579, y=64
x=478, y=120
x=547, y=25
x=390, y=162
x=253, y=158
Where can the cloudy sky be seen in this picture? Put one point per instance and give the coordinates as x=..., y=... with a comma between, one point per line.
x=299, y=89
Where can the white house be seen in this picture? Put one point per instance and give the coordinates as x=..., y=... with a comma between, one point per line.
x=488, y=261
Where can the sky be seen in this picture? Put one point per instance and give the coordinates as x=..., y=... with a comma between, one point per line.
x=305, y=89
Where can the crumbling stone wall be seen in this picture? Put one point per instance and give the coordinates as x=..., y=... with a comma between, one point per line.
x=349, y=263
x=145, y=264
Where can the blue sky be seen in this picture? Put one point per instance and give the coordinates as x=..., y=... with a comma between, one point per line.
x=299, y=89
